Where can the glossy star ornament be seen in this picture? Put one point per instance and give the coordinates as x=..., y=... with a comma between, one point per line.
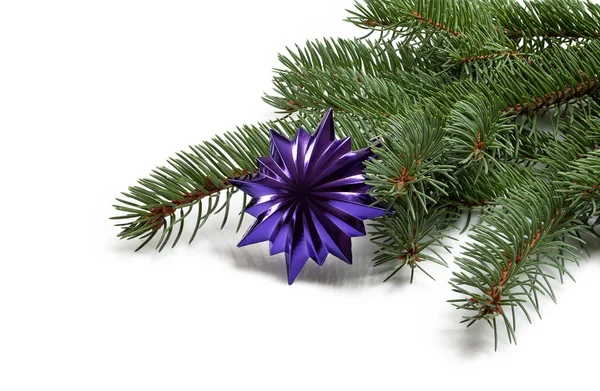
x=309, y=197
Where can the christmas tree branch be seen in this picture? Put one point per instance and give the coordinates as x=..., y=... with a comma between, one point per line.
x=557, y=97
x=523, y=86
x=408, y=18
x=406, y=239
x=579, y=134
x=479, y=134
x=506, y=264
x=569, y=19
x=380, y=59
x=352, y=91
x=409, y=165
x=417, y=163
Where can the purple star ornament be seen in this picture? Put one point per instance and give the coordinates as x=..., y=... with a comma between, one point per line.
x=309, y=197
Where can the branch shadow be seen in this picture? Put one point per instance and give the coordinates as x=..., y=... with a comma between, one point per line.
x=473, y=341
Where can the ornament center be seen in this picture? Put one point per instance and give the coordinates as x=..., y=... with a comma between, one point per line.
x=301, y=192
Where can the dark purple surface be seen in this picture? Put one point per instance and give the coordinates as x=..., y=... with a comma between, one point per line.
x=309, y=197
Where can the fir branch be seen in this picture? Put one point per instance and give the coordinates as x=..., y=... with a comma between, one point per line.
x=570, y=19
x=506, y=264
x=428, y=22
x=408, y=18
x=523, y=86
x=567, y=19
x=468, y=193
x=534, y=85
x=425, y=23
x=415, y=169
x=354, y=92
x=581, y=182
x=382, y=59
x=552, y=78
x=556, y=97
x=478, y=134
x=481, y=52
x=407, y=240
x=409, y=166
x=579, y=134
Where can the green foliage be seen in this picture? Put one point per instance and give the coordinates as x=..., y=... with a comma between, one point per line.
x=478, y=133
x=371, y=58
x=354, y=92
x=508, y=263
x=579, y=134
x=520, y=86
x=450, y=95
x=548, y=19
x=409, y=238
x=409, y=166
x=580, y=182
x=412, y=19
x=461, y=34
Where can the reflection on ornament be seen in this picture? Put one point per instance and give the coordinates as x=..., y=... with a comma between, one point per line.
x=309, y=197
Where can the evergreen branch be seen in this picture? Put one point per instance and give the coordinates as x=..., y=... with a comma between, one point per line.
x=507, y=263
x=474, y=40
x=409, y=166
x=556, y=97
x=580, y=185
x=469, y=193
x=482, y=31
x=406, y=239
x=412, y=172
x=481, y=52
x=515, y=244
x=570, y=19
x=428, y=22
x=478, y=134
x=382, y=59
x=547, y=19
x=409, y=18
x=523, y=86
x=579, y=134
x=552, y=78
x=409, y=174
x=582, y=180
x=354, y=92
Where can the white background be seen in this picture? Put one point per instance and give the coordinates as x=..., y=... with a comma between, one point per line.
x=93, y=94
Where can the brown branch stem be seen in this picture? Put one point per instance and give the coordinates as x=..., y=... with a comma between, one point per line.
x=437, y=25
x=506, y=53
x=160, y=213
x=493, y=305
x=556, y=97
